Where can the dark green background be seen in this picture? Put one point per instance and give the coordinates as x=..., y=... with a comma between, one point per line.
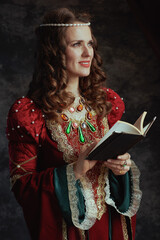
x=133, y=71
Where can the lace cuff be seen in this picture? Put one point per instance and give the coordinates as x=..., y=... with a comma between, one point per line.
x=90, y=206
x=136, y=193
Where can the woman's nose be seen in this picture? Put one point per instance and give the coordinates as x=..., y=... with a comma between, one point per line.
x=86, y=51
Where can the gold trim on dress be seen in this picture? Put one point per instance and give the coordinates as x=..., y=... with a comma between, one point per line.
x=64, y=230
x=18, y=165
x=101, y=205
x=14, y=178
x=124, y=227
x=62, y=142
x=82, y=234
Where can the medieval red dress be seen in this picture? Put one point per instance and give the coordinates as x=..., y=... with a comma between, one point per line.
x=56, y=206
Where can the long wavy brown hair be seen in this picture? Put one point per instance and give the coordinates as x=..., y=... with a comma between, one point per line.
x=48, y=86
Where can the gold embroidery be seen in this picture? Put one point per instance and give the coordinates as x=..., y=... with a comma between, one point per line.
x=101, y=205
x=19, y=165
x=16, y=177
x=124, y=227
x=105, y=124
x=70, y=145
x=62, y=142
x=82, y=234
x=64, y=230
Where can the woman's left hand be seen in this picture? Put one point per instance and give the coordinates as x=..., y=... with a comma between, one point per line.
x=119, y=166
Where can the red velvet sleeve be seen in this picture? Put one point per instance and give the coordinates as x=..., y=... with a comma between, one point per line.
x=118, y=106
x=33, y=190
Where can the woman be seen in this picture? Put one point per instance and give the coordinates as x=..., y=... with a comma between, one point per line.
x=51, y=132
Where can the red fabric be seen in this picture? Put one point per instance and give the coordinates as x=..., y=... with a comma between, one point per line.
x=28, y=137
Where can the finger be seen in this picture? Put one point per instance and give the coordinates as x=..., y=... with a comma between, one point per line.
x=125, y=156
x=117, y=167
x=120, y=162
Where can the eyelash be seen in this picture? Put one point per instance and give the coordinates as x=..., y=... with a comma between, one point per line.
x=78, y=43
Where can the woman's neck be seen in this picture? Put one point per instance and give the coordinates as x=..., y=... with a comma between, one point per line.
x=73, y=87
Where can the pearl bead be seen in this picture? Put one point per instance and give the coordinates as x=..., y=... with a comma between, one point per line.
x=16, y=110
x=116, y=108
x=31, y=101
x=115, y=97
x=32, y=122
x=21, y=136
x=23, y=97
x=33, y=110
x=12, y=129
x=18, y=166
x=19, y=101
x=37, y=134
x=18, y=126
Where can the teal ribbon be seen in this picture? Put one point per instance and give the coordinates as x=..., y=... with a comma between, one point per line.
x=61, y=190
x=120, y=188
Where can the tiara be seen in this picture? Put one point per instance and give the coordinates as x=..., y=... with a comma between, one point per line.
x=64, y=24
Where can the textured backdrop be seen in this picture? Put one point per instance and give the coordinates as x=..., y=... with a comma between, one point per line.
x=132, y=69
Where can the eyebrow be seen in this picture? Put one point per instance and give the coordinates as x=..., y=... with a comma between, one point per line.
x=79, y=41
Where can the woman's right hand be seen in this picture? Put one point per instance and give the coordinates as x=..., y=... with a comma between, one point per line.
x=82, y=165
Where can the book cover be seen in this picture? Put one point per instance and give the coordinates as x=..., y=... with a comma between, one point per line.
x=119, y=139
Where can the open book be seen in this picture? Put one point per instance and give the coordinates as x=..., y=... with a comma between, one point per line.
x=120, y=138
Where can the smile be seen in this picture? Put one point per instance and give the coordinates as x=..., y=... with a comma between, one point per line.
x=85, y=64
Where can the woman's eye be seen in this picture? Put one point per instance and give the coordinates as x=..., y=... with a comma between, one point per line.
x=90, y=44
x=76, y=44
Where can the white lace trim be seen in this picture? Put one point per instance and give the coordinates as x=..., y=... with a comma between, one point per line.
x=91, y=209
x=136, y=193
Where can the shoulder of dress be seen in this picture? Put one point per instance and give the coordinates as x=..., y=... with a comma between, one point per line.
x=25, y=117
x=24, y=108
x=118, y=106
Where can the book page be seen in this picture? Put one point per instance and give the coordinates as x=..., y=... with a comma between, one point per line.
x=148, y=126
x=126, y=128
x=119, y=126
x=140, y=121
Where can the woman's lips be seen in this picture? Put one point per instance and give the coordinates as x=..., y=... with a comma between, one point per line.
x=85, y=63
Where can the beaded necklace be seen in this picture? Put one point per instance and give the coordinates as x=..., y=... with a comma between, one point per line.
x=76, y=120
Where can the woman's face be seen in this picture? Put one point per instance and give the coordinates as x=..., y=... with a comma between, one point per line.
x=79, y=51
